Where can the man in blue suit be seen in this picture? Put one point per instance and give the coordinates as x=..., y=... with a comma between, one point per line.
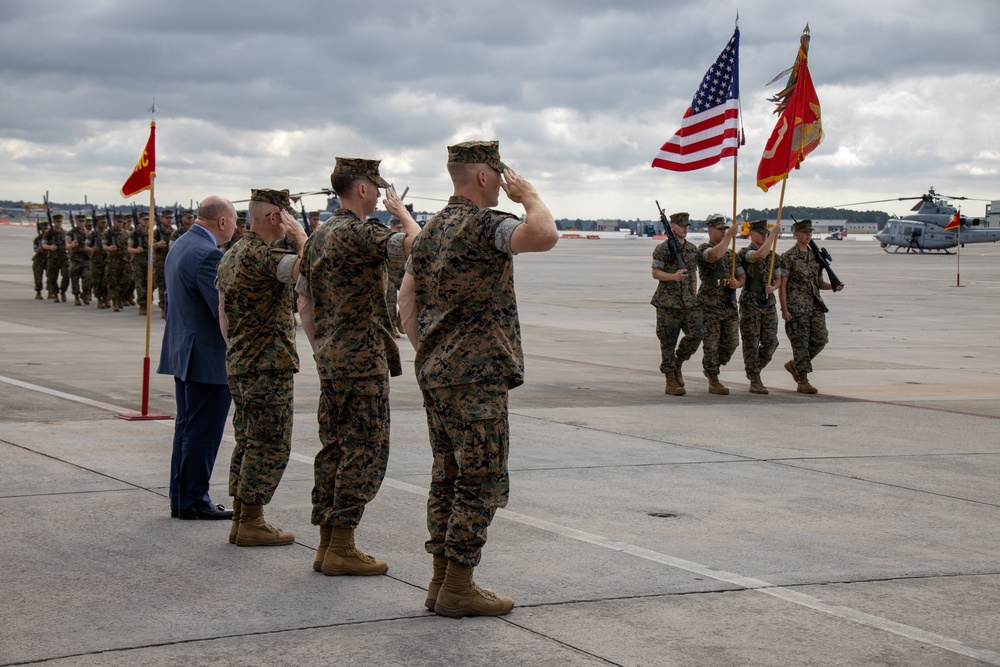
x=194, y=352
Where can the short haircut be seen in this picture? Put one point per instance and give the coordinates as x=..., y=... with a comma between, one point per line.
x=344, y=183
x=464, y=173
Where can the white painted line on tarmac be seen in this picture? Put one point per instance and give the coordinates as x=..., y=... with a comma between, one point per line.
x=782, y=593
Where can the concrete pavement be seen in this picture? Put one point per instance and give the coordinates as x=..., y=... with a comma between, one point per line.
x=855, y=527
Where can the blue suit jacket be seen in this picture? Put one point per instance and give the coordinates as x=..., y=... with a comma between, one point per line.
x=193, y=349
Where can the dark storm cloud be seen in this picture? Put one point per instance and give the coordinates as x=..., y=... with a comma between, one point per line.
x=581, y=89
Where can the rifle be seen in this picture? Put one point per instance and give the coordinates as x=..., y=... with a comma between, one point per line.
x=52, y=227
x=135, y=227
x=672, y=242
x=158, y=233
x=111, y=228
x=824, y=264
x=305, y=219
x=93, y=239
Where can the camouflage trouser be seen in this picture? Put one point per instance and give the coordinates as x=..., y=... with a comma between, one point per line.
x=470, y=439
x=759, y=331
x=159, y=281
x=79, y=276
x=807, y=335
x=139, y=278
x=98, y=273
x=262, y=424
x=722, y=337
x=115, y=278
x=57, y=273
x=38, y=268
x=354, y=432
x=669, y=323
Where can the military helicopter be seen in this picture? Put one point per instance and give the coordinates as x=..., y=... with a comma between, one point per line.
x=924, y=230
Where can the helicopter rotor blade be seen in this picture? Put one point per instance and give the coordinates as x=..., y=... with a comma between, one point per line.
x=877, y=201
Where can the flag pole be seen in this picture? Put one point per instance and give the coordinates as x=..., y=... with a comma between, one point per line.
x=145, y=415
x=774, y=244
x=732, y=264
x=958, y=261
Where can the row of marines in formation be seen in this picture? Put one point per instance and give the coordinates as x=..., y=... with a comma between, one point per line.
x=108, y=264
x=708, y=314
x=459, y=311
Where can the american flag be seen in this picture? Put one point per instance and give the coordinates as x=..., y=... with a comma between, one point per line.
x=710, y=128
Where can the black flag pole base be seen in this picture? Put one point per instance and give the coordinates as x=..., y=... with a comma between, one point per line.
x=135, y=417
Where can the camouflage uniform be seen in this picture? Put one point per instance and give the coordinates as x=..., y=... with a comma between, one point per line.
x=140, y=264
x=255, y=281
x=116, y=278
x=79, y=265
x=720, y=318
x=39, y=259
x=758, y=316
x=395, y=277
x=469, y=356
x=344, y=273
x=160, y=233
x=677, y=308
x=99, y=265
x=807, y=329
x=57, y=263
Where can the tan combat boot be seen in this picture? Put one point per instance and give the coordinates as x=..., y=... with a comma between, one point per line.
x=790, y=367
x=342, y=557
x=672, y=387
x=324, y=542
x=459, y=596
x=716, y=387
x=62, y=296
x=804, y=386
x=237, y=510
x=115, y=305
x=756, y=386
x=255, y=532
x=678, y=378
x=440, y=568
x=38, y=295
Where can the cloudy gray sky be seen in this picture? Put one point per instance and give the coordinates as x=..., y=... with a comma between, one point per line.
x=580, y=93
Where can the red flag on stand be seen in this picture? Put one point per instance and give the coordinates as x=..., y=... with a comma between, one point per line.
x=798, y=132
x=145, y=169
x=955, y=222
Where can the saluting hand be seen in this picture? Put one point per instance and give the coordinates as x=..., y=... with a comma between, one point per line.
x=292, y=229
x=516, y=186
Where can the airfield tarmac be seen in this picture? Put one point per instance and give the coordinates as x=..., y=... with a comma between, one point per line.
x=860, y=526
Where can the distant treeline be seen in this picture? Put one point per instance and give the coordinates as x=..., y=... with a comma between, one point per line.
x=811, y=213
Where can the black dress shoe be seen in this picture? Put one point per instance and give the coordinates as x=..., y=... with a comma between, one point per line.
x=173, y=514
x=209, y=511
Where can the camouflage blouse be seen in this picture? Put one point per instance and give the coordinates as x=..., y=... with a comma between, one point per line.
x=344, y=272
x=756, y=272
x=463, y=269
x=801, y=270
x=713, y=277
x=258, y=305
x=673, y=294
